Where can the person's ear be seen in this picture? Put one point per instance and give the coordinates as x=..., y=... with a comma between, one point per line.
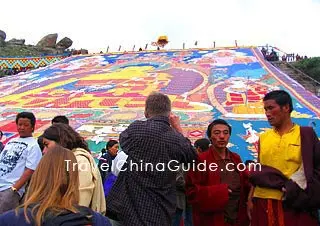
x=286, y=108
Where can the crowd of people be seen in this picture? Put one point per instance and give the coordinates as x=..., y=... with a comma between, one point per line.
x=154, y=175
x=274, y=56
x=13, y=71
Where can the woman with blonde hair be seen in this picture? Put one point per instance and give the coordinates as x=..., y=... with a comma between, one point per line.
x=53, y=195
x=91, y=189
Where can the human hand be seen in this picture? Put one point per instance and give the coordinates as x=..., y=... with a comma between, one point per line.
x=249, y=208
x=175, y=122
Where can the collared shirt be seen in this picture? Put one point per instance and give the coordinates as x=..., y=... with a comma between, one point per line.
x=142, y=195
x=229, y=175
x=280, y=152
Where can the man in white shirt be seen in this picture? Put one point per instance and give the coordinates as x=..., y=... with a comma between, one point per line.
x=18, y=160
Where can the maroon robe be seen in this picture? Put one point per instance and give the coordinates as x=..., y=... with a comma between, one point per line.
x=209, y=197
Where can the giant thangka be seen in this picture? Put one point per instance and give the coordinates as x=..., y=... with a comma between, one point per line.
x=102, y=94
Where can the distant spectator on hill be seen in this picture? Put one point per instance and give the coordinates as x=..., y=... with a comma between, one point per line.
x=60, y=119
x=284, y=58
x=1, y=144
x=264, y=51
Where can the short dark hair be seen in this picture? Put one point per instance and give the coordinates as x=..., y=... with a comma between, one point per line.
x=217, y=122
x=110, y=144
x=281, y=97
x=158, y=104
x=28, y=115
x=1, y=133
x=60, y=119
x=247, y=162
x=202, y=143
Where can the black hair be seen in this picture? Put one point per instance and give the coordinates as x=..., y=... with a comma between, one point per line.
x=217, y=122
x=111, y=143
x=60, y=119
x=103, y=151
x=281, y=97
x=247, y=162
x=28, y=115
x=202, y=143
x=1, y=133
x=40, y=142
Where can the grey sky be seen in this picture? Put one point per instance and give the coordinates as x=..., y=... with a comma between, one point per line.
x=291, y=25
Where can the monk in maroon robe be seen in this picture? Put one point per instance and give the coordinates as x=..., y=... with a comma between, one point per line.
x=217, y=189
x=286, y=190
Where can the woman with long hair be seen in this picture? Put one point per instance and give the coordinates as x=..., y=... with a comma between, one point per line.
x=91, y=189
x=53, y=195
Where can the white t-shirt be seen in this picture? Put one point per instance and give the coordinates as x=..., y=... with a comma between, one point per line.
x=18, y=154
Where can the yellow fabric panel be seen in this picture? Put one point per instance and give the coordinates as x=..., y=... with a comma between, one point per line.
x=280, y=152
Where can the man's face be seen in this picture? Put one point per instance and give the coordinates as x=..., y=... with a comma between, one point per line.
x=220, y=136
x=275, y=113
x=24, y=127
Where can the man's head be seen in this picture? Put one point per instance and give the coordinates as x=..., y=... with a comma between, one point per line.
x=60, y=119
x=157, y=104
x=249, y=164
x=202, y=145
x=25, y=122
x=278, y=107
x=219, y=132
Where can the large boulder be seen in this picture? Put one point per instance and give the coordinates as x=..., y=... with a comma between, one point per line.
x=2, y=35
x=18, y=42
x=48, y=41
x=2, y=38
x=64, y=43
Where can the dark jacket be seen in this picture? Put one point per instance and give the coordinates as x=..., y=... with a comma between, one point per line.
x=295, y=197
x=106, y=158
x=85, y=217
x=181, y=189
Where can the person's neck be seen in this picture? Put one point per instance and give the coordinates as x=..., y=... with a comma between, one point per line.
x=285, y=127
x=221, y=152
x=25, y=136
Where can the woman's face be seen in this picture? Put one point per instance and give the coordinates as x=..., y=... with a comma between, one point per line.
x=114, y=149
x=48, y=144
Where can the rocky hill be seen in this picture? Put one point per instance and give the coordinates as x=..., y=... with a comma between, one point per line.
x=46, y=46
